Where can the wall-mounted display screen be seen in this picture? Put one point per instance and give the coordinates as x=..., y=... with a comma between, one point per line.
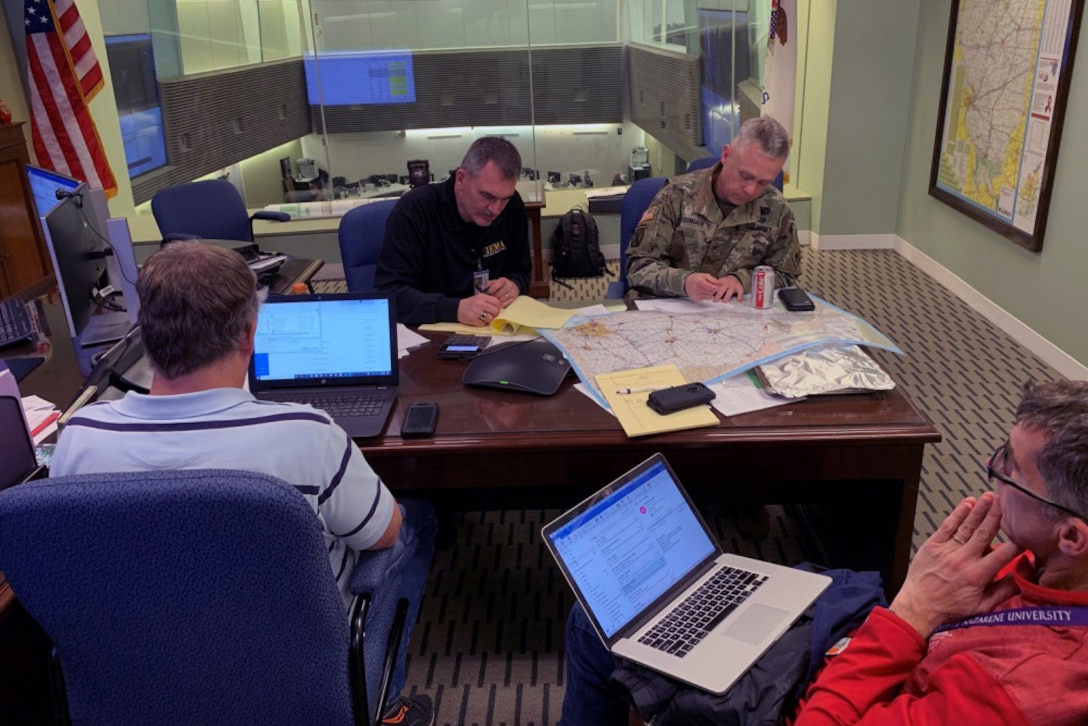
x=360, y=78
x=132, y=71
x=724, y=57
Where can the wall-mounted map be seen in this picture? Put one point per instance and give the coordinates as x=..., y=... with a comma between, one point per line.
x=1006, y=79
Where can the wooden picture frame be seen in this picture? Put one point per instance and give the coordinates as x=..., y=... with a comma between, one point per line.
x=999, y=124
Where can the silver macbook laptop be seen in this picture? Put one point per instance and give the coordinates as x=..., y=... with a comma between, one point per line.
x=658, y=588
x=336, y=352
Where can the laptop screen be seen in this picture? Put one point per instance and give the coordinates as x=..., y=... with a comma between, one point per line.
x=17, y=459
x=630, y=543
x=326, y=339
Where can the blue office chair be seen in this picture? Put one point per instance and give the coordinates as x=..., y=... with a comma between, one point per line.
x=708, y=161
x=361, y=232
x=211, y=209
x=188, y=597
x=635, y=201
x=704, y=163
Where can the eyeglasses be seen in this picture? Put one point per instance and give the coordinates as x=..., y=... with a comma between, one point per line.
x=996, y=468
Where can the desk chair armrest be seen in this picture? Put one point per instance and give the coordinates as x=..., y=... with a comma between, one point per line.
x=271, y=216
x=366, y=578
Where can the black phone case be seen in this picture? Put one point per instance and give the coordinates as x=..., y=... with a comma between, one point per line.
x=794, y=298
x=677, y=398
x=419, y=421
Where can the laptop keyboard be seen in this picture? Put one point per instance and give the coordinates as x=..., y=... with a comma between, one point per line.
x=355, y=404
x=15, y=325
x=689, y=622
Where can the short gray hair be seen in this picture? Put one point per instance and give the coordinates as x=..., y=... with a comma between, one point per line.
x=197, y=303
x=496, y=149
x=773, y=139
x=1060, y=410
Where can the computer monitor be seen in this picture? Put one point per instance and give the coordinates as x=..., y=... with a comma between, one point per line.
x=45, y=184
x=136, y=91
x=285, y=167
x=79, y=251
x=554, y=177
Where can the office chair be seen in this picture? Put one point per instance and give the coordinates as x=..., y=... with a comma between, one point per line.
x=704, y=163
x=211, y=209
x=189, y=596
x=635, y=201
x=708, y=161
x=360, y=233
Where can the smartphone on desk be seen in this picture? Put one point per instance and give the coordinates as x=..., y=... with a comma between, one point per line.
x=794, y=298
x=462, y=347
x=419, y=421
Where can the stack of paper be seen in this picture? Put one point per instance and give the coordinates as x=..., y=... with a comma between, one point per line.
x=627, y=391
x=41, y=417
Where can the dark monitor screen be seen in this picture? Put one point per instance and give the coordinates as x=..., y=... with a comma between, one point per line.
x=136, y=87
x=17, y=460
x=360, y=78
x=44, y=185
x=78, y=253
x=285, y=167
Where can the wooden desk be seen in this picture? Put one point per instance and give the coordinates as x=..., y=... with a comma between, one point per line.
x=853, y=461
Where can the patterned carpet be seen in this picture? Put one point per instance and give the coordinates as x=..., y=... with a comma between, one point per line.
x=489, y=645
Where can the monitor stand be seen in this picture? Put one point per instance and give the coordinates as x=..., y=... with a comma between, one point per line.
x=108, y=327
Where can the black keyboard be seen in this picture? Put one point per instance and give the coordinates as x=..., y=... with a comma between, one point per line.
x=690, y=621
x=355, y=404
x=15, y=325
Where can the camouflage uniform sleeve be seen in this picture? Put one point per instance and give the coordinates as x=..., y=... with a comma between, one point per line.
x=785, y=254
x=649, y=259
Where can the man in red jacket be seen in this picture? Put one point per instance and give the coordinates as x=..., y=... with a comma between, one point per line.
x=982, y=633
x=978, y=634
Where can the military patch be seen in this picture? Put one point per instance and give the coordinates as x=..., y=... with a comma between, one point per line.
x=649, y=214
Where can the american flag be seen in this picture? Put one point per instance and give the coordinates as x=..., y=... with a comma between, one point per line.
x=64, y=76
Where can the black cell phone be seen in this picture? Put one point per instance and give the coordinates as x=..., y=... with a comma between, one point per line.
x=462, y=347
x=419, y=421
x=677, y=398
x=794, y=298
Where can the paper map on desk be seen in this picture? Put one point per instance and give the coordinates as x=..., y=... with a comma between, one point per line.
x=705, y=346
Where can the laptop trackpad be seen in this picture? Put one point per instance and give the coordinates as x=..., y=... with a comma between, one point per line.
x=755, y=623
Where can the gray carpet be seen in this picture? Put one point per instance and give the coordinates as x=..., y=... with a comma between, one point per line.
x=489, y=645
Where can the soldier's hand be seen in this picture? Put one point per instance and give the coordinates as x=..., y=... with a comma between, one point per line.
x=701, y=286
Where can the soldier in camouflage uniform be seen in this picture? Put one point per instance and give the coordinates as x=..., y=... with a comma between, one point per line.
x=705, y=231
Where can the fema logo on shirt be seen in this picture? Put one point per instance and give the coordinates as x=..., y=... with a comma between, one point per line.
x=494, y=248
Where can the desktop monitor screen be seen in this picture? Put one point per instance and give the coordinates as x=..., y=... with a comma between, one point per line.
x=360, y=78
x=725, y=58
x=136, y=87
x=44, y=185
x=78, y=251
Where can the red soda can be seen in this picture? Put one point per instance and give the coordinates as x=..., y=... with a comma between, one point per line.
x=763, y=287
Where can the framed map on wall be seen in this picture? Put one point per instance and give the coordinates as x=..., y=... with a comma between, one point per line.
x=1006, y=79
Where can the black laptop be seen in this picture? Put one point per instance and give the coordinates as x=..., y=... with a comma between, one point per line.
x=17, y=460
x=336, y=352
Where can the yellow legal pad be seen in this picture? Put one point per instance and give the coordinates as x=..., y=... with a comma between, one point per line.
x=635, y=416
x=523, y=316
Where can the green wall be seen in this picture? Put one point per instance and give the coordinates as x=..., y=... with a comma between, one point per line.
x=1044, y=291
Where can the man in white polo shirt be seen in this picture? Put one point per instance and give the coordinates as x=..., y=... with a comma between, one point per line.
x=198, y=316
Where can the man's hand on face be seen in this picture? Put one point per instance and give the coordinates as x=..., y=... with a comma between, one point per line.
x=952, y=576
x=504, y=290
x=478, y=310
x=701, y=286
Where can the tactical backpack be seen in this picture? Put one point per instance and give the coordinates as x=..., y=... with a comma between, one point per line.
x=575, y=250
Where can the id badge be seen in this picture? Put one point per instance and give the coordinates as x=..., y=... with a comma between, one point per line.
x=480, y=278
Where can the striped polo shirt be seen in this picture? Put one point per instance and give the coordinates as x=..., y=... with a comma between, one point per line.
x=227, y=428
